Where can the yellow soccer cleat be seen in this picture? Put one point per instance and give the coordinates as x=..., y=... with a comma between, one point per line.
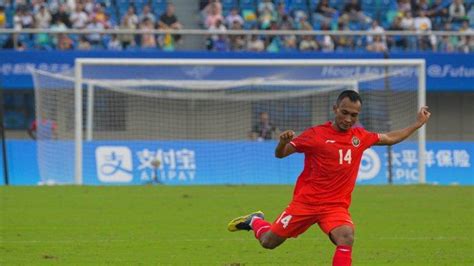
x=243, y=222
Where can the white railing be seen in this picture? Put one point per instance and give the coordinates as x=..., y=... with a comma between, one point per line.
x=241, y=32
x=246, y=33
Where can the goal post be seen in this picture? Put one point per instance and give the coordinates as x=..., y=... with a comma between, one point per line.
x=215, y=101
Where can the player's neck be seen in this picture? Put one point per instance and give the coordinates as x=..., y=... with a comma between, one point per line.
x=335, y=127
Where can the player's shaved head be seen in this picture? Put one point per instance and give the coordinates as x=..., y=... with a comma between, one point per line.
x=352, y=95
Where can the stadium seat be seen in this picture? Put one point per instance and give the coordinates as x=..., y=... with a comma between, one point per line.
x=229, y=4
x=159, y=5
x=247, y=4
x=298, y=4
x=106, y=3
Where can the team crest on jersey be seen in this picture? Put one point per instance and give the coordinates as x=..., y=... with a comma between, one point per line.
x=355, y=141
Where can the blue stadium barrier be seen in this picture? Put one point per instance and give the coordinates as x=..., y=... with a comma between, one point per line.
x=445, y=72
x=447, y=163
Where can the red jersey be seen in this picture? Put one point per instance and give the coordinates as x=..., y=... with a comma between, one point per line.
x=331, y=164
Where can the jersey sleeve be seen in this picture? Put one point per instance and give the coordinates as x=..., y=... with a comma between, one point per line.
x=305, y=141
x=369, y=138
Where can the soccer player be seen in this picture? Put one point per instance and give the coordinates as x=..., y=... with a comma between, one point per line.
x=322, y=194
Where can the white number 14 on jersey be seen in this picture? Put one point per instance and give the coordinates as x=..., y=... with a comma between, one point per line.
x=347, y=157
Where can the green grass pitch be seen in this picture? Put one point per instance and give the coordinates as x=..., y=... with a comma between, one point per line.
x=162, y=225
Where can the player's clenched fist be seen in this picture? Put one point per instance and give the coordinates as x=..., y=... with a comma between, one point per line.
x=423, y=115
x=287, y=136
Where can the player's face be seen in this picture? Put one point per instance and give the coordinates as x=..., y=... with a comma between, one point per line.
x=347, y=113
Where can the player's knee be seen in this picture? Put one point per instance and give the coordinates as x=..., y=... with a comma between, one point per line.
x=346, y=239
x=268, y=243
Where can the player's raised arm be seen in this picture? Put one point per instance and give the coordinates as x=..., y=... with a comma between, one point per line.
x=397, y=136
x=284, y=148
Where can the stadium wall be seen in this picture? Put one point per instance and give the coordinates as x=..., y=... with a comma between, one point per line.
x=445, y=72
x=448, y=163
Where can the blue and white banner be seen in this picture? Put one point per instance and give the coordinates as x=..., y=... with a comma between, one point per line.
x=236, y=162
x=452, y=72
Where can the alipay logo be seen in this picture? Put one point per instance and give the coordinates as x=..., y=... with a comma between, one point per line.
x=114, y=164
x=369, y=165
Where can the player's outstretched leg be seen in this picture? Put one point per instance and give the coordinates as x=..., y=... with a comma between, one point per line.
x=255, y=221
x=343, y=238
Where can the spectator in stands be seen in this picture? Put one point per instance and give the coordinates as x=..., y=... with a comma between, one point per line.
x=219, y=27
x=377, y=45
x=100, y=16
x=168, y=20
x=221, y=44
x=233, y=17
x=42, y=21
x=446, y=45
x=302, y=22
x=353, y=12
x=213, y=15
x=57, y=26
x=274, y=44
x=265, y=18
x=95, y=39
x=255, y=44
x=147, y=14
x=114, y=43
x=407, y=23
x=23, y=18
x=326, y=41
x=438, y=13
x=128, y=22
x=83, y=43
x=344, y=42
x=237, y=42
x=324, y=13
x=466, y=43
x=130, y=19
x=421, y=5
x=308, y=43
x=397, y=41
x=62, y=15
x=64, y=42
x=78, y=17
x=53, y=6
x=266, y=5
x=281, y=12
x=457, y=11
x=211, y=7
x=470, y=15
x=422, y=24
x=35, y=5
x=43, y=18
x=404, y=6
x=148, y=39
x=375, y=28
x=264, y=129
x=285, y=22
x=3, y=17
x=88, y=6
x=288, y=44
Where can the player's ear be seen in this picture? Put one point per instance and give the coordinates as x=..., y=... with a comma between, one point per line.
x=334, y=108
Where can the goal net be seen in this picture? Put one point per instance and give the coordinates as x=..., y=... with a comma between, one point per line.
x=208, y=121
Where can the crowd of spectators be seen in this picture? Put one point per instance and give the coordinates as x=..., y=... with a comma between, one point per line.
x=60, y=15
x=362, y=15
x=220, y=16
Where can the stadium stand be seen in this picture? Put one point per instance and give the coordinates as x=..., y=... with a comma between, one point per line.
x=353, y=15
